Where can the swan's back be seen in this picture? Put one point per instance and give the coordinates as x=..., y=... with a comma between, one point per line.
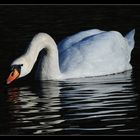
x=94, y=53
x=76, y=38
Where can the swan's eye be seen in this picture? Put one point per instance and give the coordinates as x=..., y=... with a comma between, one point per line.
x=17, y=67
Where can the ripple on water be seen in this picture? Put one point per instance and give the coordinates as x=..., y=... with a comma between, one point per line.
x=99, y=105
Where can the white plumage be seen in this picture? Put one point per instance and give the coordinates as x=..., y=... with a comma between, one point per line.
x=87, y=53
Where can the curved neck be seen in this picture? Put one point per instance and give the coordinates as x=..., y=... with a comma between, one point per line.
x=48, y=67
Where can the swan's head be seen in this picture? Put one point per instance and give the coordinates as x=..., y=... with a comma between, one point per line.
x=19, y=68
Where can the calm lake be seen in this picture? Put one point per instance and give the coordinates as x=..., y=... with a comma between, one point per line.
x=107, y=105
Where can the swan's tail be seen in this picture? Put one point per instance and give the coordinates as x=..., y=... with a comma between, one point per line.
x=130, y=39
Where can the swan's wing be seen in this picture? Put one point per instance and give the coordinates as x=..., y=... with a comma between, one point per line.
x=76, y=38
x=68, y=48
x=75, y=55
x=99, y=54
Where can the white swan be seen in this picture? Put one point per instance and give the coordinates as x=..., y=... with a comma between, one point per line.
x=87, y=53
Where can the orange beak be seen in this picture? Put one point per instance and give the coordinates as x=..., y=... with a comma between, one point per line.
x=13, y=76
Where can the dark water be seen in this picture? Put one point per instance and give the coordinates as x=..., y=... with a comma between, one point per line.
x=108, y=105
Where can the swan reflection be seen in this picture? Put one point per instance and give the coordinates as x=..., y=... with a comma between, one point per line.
x=38, y=107
x=77, y=106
